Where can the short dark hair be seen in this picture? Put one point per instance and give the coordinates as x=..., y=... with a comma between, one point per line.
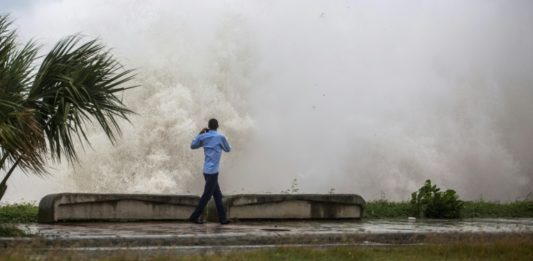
x=213, y=124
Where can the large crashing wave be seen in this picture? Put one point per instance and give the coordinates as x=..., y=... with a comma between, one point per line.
x=351, y=96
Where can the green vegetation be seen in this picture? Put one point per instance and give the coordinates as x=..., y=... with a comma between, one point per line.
x=500, y=250
x=387, y=209
x=513, y=248
x=46, y=102
x=430, y=202
x=471, y=209
x=18, y=213
x=9, y=230
x=427, y=202
x=485, y=209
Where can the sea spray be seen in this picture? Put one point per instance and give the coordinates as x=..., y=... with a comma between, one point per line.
x=369, y=97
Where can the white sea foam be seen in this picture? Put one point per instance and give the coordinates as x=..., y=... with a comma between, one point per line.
x=371, y=97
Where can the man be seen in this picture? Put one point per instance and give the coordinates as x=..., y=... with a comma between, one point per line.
x=213, y=144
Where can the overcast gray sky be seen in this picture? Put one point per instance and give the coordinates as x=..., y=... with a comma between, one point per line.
x=13, y=4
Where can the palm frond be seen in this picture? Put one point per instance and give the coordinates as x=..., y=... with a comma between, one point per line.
x=76, y=84
x=20, y=134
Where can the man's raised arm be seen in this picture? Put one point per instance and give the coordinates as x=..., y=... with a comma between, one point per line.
x=196, y=143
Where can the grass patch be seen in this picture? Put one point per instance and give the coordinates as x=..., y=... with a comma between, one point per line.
x=387, y=209
x=18, y=213
x=501, y=250
x=510, y=248
x=9, y=230
x=471, y=209
x=454, y=251
x=517, y=209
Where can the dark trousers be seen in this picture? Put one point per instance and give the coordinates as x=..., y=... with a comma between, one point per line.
x=211, y=189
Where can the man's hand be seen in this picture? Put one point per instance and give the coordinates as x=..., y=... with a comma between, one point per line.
x=204, y=130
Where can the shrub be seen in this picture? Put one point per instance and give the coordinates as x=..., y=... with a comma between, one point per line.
x=430, y=202
x=18, y=213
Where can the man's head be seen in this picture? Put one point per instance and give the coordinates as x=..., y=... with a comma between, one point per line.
x=213, y=124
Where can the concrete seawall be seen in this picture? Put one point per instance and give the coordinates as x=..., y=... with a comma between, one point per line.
x=293, y=206
x=115, y=207
x=138, y=207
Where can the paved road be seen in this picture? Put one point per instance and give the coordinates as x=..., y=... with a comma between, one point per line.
x=154, y=238
x=181, y=229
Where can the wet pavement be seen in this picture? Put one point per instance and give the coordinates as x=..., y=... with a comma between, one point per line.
x=144, y=239
x=184, y=230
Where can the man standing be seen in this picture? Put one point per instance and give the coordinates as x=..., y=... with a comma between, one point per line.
x=213, y=143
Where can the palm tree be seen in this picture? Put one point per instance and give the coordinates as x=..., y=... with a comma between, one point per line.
x=44, y=110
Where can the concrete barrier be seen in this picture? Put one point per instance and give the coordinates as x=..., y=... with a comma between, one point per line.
x=139, y=207
x=293, y=206
x=115, y=207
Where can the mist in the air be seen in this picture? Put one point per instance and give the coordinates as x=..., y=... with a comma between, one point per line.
x=366, y=97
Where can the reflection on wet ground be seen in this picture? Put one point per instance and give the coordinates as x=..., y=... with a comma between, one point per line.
x=148, y=239
x=184, y=230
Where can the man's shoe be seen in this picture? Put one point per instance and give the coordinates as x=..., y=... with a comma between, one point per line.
x=196, y=221
x=225, y=222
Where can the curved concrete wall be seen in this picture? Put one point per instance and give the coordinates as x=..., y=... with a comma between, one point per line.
x=115, y=207
x=136, y=207
x=292, y=206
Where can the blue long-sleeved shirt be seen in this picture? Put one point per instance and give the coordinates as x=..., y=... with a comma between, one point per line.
x=213, y=143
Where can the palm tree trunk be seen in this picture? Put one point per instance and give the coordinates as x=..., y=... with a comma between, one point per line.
x=3, y=185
